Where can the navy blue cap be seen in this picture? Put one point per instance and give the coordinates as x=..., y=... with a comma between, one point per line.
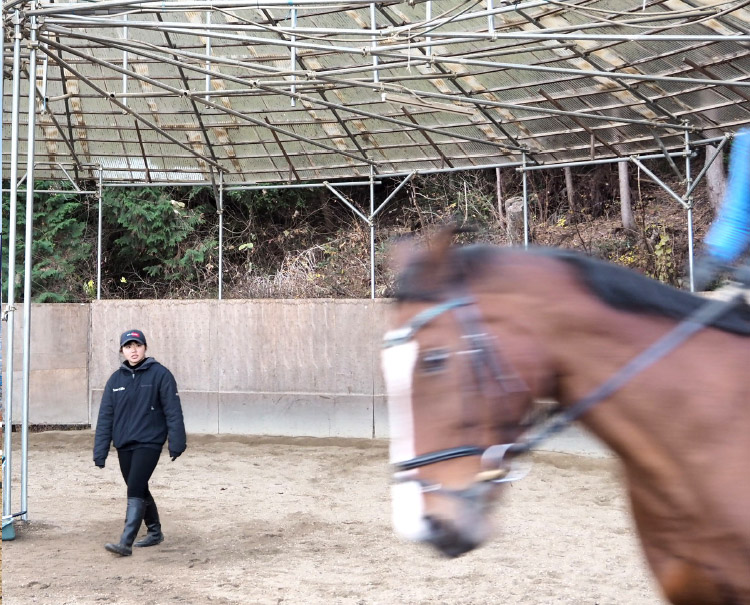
x=132, y=335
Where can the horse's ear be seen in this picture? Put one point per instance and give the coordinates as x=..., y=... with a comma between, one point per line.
x=436, y=258
x=403, y=250
x=439, y=244
x=399, y=253
x=433, y=261
x=435, y=268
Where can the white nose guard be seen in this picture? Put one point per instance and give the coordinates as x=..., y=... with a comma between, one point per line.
x=398, y=364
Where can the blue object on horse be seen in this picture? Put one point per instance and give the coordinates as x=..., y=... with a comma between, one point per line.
x=729, y=236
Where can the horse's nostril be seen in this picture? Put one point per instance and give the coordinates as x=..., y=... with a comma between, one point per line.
x=446, y=538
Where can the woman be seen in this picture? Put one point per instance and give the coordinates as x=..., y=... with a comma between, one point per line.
x=140, y=408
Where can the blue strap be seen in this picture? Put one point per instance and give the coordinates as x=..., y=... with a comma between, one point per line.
x=426, y=316
x=405, y=334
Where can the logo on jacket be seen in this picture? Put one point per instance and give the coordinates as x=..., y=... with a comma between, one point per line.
x=118, y=389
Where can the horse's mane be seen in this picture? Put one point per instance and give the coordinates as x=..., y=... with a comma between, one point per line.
x=614, y=285
x=628, y=290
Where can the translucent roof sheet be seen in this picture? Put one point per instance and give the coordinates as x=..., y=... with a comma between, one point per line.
x=307, y=91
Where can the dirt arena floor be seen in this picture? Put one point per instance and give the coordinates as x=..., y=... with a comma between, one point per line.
x=275, y=521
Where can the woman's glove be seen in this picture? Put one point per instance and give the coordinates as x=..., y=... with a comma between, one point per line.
x=174, y=455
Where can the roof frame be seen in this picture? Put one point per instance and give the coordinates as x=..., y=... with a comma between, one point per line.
x=327, y=90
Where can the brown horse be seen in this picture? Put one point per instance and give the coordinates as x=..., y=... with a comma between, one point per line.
x=483, y=332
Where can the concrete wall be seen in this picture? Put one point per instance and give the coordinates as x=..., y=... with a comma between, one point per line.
x=58, y=377
x=289, y=367
x=274, y=367
x=281, y=367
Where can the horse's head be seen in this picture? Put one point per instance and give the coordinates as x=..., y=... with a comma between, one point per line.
x=456, y=400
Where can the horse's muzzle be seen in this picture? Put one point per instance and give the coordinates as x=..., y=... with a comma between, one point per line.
x=447, y=539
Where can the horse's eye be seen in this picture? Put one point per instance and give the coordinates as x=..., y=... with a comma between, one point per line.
x=433, y=361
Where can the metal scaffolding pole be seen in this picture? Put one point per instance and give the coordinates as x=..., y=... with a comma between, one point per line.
x=428, y=30
x=372, y=233
x=430, y=44
x=654, y=156
x=689, y=200
x=6, y=427
x=722, y=143
x=220, y=211
x=408, y=178
x=420, y=96
x=99, y=239
x=28, y=266
x=187, y=6
x=10, y=307
x=346, y=202
x=262, y=87
x=114, y=101
x=370, y=220
x=525, y=206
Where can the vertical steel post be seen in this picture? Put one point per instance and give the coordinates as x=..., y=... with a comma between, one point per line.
x=208, y=54
x=2, y=95
x=374, y=43
x=99, y=239
x=2, y=163
x=372, y=232
x=221, y=234
x=689, y=203
x=10, y=310
x=428, y=18
x=525, y=206
x=125, y=66
x=45, y=66
x=28, y=266
x=293, y=58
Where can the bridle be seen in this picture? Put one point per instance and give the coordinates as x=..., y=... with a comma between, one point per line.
x=505, y=381
x=492, y=375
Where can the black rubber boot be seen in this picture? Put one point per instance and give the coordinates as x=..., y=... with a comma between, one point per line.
x=151, y=519
x=133, y=518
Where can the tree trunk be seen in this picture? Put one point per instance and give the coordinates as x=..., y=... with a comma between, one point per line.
x=514, y=218
x=569, y=189
x=626, y=207
x=716, y=181
x=499, y=192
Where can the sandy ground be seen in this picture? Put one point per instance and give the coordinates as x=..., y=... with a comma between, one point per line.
x=253, y=520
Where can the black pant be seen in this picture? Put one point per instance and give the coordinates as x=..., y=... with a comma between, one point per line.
x=137, y=466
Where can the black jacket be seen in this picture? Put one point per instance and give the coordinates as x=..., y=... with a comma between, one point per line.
x=140, y=408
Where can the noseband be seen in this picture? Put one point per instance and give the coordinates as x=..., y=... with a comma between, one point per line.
x=493, y=376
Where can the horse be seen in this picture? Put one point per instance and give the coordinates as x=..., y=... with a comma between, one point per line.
x=482, y=333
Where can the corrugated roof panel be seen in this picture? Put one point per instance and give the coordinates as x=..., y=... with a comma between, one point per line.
x=457, y=87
